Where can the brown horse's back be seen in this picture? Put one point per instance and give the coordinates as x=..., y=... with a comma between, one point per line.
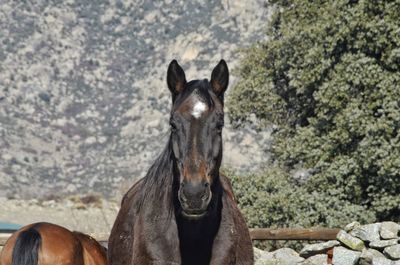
x=59, y=242
x=6, y=253
x=58, y=246
x=93, y=252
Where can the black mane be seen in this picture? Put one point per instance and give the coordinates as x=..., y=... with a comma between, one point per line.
x=158, y=179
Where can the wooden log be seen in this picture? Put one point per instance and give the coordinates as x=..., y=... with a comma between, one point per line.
x=293, y=233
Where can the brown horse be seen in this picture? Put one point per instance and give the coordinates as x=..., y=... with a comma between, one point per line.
x=183, y=211
x=50, y=244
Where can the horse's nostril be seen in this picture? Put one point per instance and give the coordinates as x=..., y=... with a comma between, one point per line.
x=205, y=195
x=182, y=197
x=207, y=184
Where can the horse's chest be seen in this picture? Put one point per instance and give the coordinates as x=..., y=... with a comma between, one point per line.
x=196, y=243
x=196, y=251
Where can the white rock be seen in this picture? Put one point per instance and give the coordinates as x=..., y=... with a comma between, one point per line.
x=318, y=248
x=351, y=226
x=262, y=257
x=287, y=256
x=344, y=256
x=389, y=230
x=392, y=252
x=368, y=256
x=382, y=261
x=350, y=241
x=369, y=232
x=320, y=259
x=383, y=243
x=283, y=256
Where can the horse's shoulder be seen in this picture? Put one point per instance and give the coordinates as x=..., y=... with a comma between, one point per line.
x=243, y=246
x=131, y=194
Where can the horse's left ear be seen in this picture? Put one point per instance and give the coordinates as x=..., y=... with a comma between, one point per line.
x=220, y=78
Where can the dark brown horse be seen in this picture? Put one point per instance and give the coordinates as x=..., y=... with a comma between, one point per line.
x=183, y=211
x=50, y=244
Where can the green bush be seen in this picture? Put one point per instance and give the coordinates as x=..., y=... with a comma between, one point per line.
x=272, y=199
x=328, y=81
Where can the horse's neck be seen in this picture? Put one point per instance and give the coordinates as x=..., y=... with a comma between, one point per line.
x=196, y=237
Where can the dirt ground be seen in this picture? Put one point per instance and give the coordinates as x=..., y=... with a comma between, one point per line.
x=88, y=214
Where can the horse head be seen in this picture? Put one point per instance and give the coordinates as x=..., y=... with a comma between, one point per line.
x=197, y=119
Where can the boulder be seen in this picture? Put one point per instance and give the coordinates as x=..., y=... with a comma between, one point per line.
x=389, y=230
x=344, y=256
x=283, y=256
x=392, y=252
x=369, y=232
x=370, y=256
x=287, y=256
x=261, y=257
x=319, y=248
x=382, y=261
x=381, y=244
x=320, y=259
x=351, y=226
x=350, y=241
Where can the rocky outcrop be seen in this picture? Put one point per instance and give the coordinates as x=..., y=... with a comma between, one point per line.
x=83, y=98
x=371, y=244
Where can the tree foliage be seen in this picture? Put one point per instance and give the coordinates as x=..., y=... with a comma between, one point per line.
x=328, y=80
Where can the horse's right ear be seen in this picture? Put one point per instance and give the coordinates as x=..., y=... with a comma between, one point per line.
x=175, y=78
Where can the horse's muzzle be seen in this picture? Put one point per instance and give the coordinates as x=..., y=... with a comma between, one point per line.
x=194, y=199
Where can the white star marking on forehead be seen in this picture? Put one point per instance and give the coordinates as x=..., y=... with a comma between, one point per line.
x=198, y=108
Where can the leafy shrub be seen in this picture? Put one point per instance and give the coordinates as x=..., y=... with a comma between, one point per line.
x=272, y=200
x=328, y=81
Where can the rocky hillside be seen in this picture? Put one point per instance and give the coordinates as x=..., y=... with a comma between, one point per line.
x=83, y=101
